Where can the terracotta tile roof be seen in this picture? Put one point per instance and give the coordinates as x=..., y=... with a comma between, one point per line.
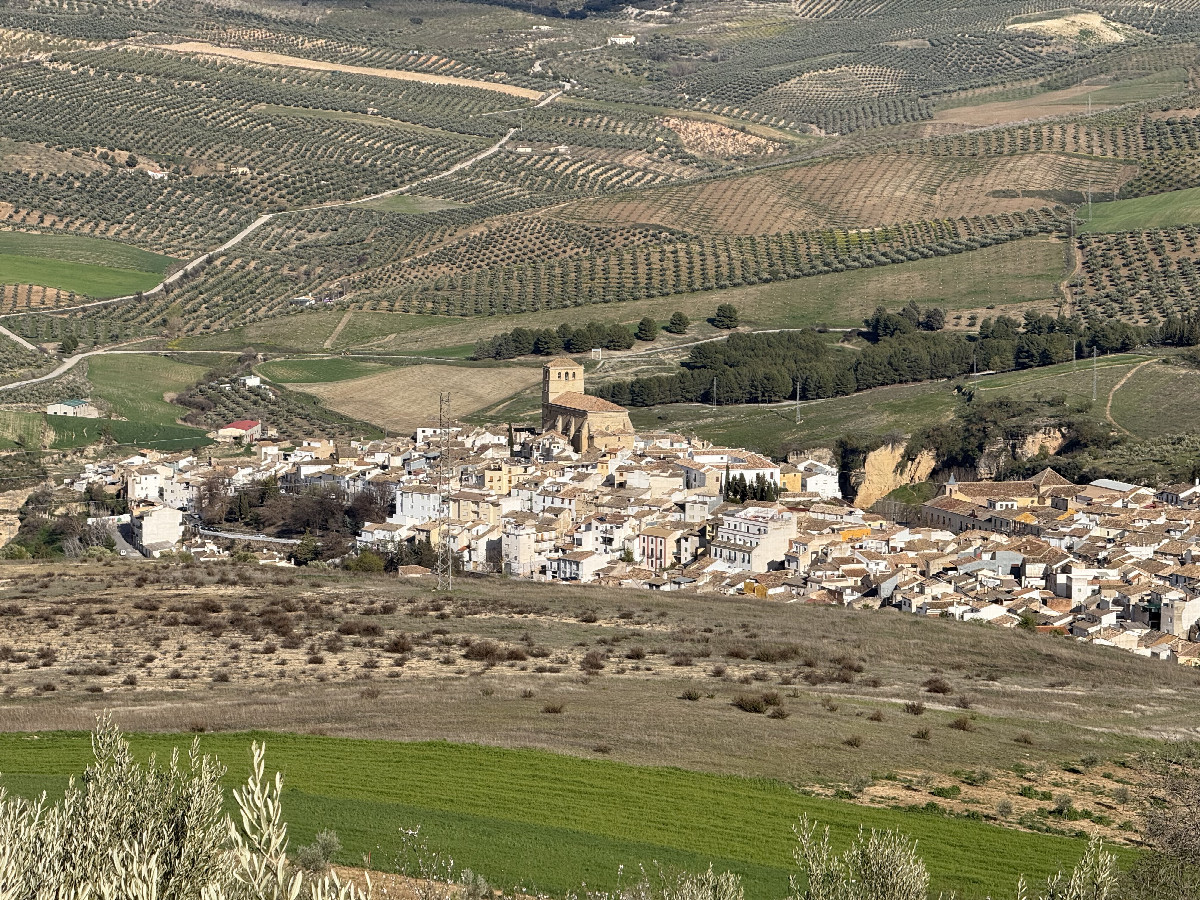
x=585, y=403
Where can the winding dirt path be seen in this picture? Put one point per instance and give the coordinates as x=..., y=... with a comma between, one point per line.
x=1116, y=387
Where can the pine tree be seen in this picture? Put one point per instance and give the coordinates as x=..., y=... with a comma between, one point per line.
x=726, y=317
x=647, y=329
x=679, y=323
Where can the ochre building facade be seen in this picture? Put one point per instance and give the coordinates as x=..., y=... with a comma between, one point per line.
x=588, y=422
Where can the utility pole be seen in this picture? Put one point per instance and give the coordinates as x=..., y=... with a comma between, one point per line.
x=445, y=550
x=1095, y=373
x=714, y=391
x=797, y=401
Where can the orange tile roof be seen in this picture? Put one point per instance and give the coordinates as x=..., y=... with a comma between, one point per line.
x=584, y=403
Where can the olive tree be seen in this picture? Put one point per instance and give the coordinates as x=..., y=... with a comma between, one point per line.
x=129, y=831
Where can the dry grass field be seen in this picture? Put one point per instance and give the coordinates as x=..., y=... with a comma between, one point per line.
x=639, y=677
x=858, y=192
x=407, y=397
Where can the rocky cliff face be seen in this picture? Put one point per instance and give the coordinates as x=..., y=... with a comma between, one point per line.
x=10, y=505
x=885, y=469
x=1048, y=441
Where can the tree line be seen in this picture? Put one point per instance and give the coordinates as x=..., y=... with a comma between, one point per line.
x=569, y=339
x=767, y=368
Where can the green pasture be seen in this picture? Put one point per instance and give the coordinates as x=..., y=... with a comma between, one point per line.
x=403, y=203
x=70, y=433
x=549, y=823
x=1142, y=213
x=88, y=266
x=317, y=371
x=1133, y=90
x=19, y=428
x=134, y=386
x=1160, y=397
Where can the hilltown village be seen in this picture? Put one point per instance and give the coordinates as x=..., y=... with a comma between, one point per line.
x=587, y=500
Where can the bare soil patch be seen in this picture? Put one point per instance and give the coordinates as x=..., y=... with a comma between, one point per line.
x=1078, y=27
x=716, y=140
x=280, y=59
x=1051, y=103
x=25, y=157
x=858, y=192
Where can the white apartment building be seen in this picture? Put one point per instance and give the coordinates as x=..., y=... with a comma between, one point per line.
x=754, y=537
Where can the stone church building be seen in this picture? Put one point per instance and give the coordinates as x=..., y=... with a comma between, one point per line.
x=587, y=422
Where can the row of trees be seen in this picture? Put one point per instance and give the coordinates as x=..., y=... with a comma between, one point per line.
x=767, y=368
x=911, y=318
x=739, y=490
x=569, y=339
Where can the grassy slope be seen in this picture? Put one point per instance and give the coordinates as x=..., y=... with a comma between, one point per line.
x=1018, y=272
x=1159, y=397
x=551, y=823
x=1140, y=213
x=317, y=371
x=904, y=408
x=26, y=426
x=89, y=266
x=84, y=250
x=134, y=386
x=1148, y=87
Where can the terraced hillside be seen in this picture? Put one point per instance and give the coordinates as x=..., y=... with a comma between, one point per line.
x=462, y=160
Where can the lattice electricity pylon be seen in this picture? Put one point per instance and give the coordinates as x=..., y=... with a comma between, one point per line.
x=445, y=470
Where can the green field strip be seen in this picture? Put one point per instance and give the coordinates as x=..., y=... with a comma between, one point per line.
x=1143, y=213
x=531, y=818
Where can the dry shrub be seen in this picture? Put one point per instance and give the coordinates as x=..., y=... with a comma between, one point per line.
x=492, y=653
x=593, y=661
x=758, y=703
x=776, y=653
x=400, y=643
x=553, y=709
x=360, y=629
x=963, y=723
x=855, y=741
x=914, y=708
x=937, y=685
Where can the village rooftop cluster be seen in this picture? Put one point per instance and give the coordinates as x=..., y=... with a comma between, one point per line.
x=1109, y=563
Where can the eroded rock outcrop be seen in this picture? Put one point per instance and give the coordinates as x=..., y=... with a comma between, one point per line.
x=886, y=469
